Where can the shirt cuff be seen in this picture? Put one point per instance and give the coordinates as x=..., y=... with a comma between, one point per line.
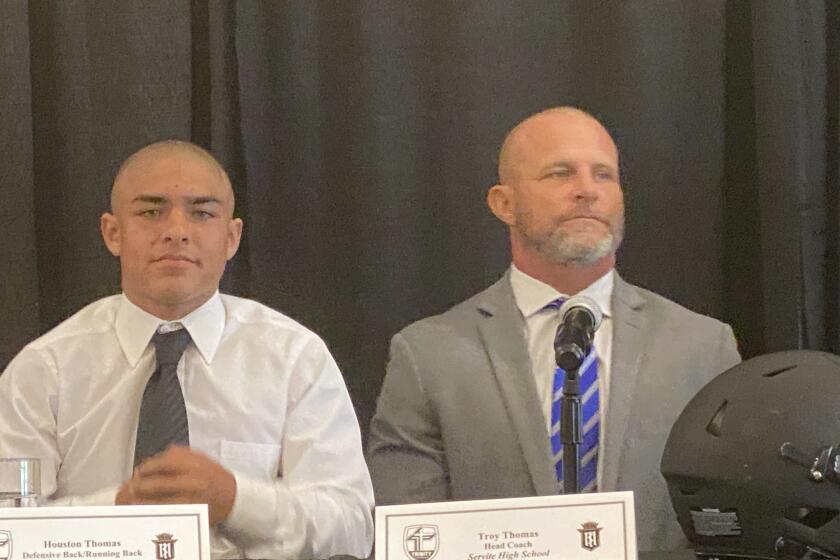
x=257, y=510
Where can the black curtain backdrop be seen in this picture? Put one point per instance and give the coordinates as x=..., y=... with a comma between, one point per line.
x=361, y=137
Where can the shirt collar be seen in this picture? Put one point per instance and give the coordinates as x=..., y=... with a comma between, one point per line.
x=532, y=295
x=136, y=327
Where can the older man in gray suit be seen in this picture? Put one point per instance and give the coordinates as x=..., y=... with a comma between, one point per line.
x=466, y=407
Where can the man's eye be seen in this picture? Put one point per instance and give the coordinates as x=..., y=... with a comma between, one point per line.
x=604, y=176
x=561, y=172
x=202, y=214
x=150, y=213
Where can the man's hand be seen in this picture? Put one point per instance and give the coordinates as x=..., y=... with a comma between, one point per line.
x=181, y=475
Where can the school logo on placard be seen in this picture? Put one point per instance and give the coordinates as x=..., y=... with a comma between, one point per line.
x=164, y=546
x=421, y=542
x=590, y=535
x=5, y=545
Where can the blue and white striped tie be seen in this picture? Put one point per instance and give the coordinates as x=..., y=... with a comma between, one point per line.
x=590, y=421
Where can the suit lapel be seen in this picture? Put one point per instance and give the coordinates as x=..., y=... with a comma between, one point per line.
x=629, y=329
x=502, y=329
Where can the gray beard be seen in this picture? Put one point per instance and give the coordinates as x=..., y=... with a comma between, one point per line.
x=562, y=248
x=565, y=250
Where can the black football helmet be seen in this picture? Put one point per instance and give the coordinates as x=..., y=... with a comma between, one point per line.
x=753, y=462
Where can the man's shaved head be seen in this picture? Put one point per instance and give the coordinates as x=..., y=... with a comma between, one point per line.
x=517, y=143
x=142, y=158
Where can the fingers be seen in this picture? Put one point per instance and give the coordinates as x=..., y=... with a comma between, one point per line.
x=173, y=460
x=165, y=486
x=180, y=475
x=125, y=495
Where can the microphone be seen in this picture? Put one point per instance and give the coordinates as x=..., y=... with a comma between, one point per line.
x=581, y=317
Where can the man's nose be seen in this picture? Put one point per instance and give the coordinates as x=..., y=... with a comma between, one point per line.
x=585, y=187
x=177, y=229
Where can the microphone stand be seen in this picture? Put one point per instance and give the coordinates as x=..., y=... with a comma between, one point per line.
x=570, y=431
x=573, y=342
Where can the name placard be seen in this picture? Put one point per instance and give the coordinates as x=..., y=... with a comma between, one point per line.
x=599, y=526
x=135, y=532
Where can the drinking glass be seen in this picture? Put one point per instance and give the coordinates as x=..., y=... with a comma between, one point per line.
x=20, y=482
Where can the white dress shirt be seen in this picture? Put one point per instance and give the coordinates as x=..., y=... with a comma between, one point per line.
x=541, y=324
x=264, y=399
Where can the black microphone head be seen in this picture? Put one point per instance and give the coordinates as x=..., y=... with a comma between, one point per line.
x=569, y=356
x=580, y=317
x=585, y=303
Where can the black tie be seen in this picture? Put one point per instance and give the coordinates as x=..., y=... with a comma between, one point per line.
x=163, y=413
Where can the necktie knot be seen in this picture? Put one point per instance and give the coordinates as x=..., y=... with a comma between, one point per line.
x=556, y=304
x=170, y=346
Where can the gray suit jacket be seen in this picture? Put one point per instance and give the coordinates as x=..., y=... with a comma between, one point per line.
x=459, y=418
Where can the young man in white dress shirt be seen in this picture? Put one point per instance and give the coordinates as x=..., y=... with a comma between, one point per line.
x=274, y=445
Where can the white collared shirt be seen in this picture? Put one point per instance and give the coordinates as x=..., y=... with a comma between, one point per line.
x=531, y=296
x=264, y=399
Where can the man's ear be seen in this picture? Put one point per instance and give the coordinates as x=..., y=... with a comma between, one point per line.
x=110, y=228
x=501, y=200
x=234, y=237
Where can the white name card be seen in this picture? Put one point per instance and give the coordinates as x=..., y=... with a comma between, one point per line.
x=573, y=527
x=134, y=532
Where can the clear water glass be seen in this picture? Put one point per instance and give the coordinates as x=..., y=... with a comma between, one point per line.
x=20, y=482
